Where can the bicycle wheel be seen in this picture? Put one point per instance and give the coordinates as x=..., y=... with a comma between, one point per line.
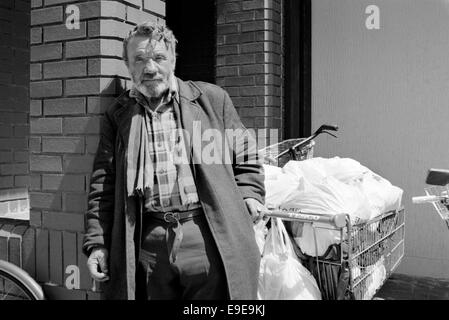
x=16, y=284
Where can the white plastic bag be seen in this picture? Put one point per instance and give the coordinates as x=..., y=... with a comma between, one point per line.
x=345, y=170
x=374, y=281
x=260, y=232
x=282, y=276
x=381, y=194
x=278, y=186
x=321, y=193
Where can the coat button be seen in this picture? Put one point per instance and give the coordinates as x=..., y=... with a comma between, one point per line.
x=162, y=171
x=166, y=202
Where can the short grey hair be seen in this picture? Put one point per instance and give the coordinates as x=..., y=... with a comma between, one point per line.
x=151, y=29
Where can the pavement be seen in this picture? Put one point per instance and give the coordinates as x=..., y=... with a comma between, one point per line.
x=403, y=287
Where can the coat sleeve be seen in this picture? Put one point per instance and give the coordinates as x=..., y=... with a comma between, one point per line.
x=99, y=215
x=246, y=163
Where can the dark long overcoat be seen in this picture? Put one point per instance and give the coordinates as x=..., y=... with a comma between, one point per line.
x=114, y=220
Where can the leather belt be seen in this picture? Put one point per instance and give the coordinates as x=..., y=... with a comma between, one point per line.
x=173, y=216
x=174, y=232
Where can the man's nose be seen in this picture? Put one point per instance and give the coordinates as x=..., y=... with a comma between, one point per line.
x=150, y=67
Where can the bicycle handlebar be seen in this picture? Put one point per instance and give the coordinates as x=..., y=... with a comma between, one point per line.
x=427, y=199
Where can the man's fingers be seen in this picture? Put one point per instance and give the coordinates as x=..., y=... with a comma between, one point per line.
x=257, y=210
x=254, y=213
x=104, y=277
x=93, y=264
x=97, y=276
x=258, y=215
x=103, y=264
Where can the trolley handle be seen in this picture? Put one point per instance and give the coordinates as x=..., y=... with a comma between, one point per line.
x=327, y=127
x=322, y=129
x=338, y=220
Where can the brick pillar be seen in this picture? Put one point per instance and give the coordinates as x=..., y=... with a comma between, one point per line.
x=75, y=74
x=14, y=112
x=249, y=59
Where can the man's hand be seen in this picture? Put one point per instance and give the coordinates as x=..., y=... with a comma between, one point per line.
x=98, y=264
x=256, y=209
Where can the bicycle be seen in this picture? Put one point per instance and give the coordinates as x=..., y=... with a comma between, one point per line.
x=438, y=192
x=17, y=284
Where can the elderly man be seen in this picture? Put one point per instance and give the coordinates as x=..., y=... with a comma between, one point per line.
x=163, y=222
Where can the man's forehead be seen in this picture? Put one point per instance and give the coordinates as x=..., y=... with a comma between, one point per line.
x=147, y=44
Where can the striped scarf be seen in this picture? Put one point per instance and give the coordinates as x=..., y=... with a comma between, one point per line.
x=140, y=167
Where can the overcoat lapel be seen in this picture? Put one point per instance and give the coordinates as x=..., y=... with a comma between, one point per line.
x=130, y=111
x=197, y=116
x=188, y=111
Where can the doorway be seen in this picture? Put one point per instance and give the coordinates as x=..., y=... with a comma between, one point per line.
x=194, y=26
x=298, y=52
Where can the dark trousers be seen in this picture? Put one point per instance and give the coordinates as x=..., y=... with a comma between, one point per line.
x=197, y=272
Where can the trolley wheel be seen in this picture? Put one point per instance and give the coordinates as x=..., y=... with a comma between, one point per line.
x=16, y=284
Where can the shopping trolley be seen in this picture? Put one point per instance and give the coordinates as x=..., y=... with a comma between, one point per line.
x=368, y=252
x=437, y=193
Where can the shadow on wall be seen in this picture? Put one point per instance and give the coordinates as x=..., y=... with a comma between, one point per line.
x=60, y=265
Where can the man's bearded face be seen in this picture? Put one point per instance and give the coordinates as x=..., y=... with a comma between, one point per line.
x=151, y=65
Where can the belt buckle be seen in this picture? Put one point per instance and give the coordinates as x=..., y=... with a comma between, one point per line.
x=171, y=216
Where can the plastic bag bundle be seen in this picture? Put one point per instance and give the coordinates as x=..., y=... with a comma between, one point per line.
x=322, y=193
x=378, y=193
x=329, y=186
x=282, y=276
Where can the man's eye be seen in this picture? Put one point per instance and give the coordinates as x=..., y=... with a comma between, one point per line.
x=160, y=58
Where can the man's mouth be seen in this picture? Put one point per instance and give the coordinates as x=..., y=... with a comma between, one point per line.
x=150, y=79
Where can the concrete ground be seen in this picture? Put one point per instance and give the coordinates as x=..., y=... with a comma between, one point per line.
x=402, y=287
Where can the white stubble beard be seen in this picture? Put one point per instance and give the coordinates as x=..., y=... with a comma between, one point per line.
x=154, y=91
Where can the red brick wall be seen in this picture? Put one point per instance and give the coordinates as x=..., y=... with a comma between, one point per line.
x=249, y=59
x=14, y=109
x=75, y=74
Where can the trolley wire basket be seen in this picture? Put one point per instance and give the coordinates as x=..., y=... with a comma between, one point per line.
x=289, y=150
x=293, y=149
x=357, y=266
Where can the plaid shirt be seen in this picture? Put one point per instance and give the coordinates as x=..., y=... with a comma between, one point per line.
x=165, y=195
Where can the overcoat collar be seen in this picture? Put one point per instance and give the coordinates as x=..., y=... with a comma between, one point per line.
x=188, y=111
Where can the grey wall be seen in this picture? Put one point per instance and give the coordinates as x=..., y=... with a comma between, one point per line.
x=388, y=89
